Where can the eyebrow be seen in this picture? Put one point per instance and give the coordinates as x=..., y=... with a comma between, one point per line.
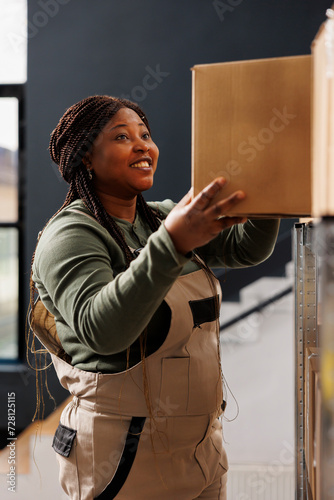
x=125, y=125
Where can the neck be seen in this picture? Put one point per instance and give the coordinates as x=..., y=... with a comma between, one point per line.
x=120, y=208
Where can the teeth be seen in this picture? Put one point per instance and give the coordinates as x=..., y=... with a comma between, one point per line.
x=141, y=164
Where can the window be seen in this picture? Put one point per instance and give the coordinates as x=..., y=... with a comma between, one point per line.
x=8, y=159
x=13, y=41
x=13, y=62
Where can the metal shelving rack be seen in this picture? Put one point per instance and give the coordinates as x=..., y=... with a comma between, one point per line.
x=314, y=292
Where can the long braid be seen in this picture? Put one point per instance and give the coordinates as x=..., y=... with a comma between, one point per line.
x=94, y=204
x=149, y=215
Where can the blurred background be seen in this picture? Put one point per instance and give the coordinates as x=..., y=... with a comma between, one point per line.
x=54, y=53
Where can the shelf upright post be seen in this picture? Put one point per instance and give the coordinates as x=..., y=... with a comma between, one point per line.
x=305, y=336
x=299, y=360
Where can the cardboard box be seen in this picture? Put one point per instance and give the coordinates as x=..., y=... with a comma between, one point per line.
x=323, y=122
x=251, y=125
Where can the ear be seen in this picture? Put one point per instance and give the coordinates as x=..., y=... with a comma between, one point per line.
x=87, y=160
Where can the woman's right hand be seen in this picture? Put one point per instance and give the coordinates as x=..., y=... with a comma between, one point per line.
x=193, y=222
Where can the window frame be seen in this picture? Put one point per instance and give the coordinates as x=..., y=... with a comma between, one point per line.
x=18, y=91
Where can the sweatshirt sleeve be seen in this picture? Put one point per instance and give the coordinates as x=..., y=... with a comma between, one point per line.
x=74, y=271
x=242, y=245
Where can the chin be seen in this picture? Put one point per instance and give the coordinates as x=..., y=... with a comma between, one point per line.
x=146, y=186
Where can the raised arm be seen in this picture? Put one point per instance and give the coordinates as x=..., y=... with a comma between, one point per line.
x=77, y=272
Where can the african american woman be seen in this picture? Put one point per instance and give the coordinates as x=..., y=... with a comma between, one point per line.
x=126, y=289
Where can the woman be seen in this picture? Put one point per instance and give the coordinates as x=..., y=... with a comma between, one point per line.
x=136, y=311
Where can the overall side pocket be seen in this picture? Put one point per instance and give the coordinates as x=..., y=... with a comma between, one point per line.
x=63, y=440
x=65, y=444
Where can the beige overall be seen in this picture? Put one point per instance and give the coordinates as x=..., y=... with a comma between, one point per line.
x=172, y=452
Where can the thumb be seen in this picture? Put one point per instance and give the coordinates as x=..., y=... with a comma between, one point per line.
x=187, y=198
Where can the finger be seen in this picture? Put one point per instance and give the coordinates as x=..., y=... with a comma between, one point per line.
x=203, y=199
x=222, y=207
x=226, y=222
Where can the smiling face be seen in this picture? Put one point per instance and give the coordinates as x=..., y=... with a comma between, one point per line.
x=124, y=157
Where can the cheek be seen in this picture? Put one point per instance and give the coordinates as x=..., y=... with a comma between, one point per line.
x=108, y=158
x=100, y=158
x=155, y=150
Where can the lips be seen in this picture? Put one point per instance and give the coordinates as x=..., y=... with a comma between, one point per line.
x=142, y=163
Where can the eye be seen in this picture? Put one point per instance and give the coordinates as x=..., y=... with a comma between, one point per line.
x=146, y=135
x=121, y=137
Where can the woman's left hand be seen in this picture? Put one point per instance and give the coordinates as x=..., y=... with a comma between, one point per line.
x=194, y=222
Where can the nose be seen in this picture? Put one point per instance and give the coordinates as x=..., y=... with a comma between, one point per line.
x=141, y=145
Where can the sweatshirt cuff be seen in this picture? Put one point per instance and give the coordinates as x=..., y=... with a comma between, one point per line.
x=179, y=258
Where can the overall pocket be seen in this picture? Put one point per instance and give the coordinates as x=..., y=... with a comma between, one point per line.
x=63, y=440
x=211, y=455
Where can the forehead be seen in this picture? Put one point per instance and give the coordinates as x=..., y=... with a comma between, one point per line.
x=124, y=116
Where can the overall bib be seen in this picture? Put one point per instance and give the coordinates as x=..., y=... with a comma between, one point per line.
x=110, y=445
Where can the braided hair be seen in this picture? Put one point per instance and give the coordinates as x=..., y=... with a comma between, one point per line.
x=70, y=142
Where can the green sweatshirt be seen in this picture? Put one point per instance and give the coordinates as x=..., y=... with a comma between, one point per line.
x=100, y=307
